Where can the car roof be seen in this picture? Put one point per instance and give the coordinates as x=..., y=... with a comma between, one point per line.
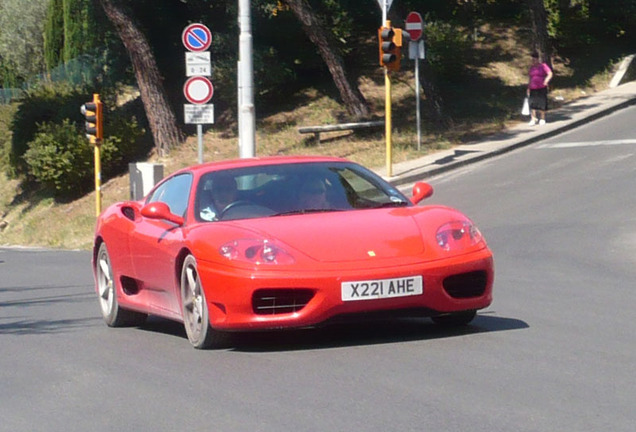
x=257, y=161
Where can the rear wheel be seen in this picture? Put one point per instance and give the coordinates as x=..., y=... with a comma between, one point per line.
x=113, y=314
x=455, y=319
x=196, y=317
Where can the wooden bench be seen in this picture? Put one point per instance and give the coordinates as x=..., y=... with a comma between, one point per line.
x=317, y=130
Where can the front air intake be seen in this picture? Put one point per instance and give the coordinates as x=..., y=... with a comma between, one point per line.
x=280, y=301
x=466, y=285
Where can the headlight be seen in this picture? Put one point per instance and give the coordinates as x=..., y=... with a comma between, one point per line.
x=458, y=235
x=255, y=251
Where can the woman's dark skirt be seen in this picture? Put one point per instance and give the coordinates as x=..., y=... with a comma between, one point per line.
x=539, y=99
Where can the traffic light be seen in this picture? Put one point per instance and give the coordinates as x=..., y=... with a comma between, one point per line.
x=390, y=44
x=92, y=111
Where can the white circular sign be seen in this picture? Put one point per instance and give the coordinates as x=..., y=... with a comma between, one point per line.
x=198, y=90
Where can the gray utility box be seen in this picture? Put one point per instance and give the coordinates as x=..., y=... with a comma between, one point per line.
x=143, y=177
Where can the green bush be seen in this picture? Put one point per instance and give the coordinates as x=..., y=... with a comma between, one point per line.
x=49, y=127
x=126, y=141
x=44, y=104
x=448, y=49
x=6, y=117
x=61, y=160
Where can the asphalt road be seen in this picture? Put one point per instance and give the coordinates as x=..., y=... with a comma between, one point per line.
x=555, y=351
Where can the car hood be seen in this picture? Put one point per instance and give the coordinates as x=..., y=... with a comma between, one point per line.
x=346, y=236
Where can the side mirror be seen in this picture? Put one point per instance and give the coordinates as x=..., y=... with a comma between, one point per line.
x=159, y=210
x=421, y=190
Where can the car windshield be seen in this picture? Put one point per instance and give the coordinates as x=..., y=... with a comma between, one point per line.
x=298, y=188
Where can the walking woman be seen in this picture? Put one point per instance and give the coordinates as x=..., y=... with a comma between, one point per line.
x=540, y=75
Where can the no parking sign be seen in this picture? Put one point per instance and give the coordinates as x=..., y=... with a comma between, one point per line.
x=196, y=37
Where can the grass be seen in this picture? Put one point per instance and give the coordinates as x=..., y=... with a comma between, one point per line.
x=485, y=101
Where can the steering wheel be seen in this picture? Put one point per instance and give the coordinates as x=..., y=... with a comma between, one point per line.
x=232, y=205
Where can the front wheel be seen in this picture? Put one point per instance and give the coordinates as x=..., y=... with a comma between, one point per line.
x=455, y=319
x=195, y=308
x=113, y=314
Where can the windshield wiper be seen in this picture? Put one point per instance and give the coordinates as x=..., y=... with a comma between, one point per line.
x=392, y=204
x=304, y=211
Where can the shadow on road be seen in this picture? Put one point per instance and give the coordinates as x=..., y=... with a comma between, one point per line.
x=342, y=335
x=15, y=326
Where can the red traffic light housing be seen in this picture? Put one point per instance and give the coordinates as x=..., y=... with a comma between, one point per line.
x=93, y=113
x=390, y=45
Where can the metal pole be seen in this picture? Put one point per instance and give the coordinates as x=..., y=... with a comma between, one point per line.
x=98, y=180
x=247, y=121
x=387, y=123
x=200, y=142
x=384, y=10
x=417, y=100
x=387, y=111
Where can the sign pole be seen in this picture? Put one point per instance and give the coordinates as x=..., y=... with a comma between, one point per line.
x=415, y=28
x=200, y=142
x=417, y=104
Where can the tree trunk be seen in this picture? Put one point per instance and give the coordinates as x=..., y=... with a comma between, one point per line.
x=539, y=20
x=350, y=94
x=161, y=118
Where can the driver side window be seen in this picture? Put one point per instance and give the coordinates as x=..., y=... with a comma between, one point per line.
x=175, y=193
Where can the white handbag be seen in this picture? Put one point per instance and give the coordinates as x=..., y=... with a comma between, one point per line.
x=525, y=110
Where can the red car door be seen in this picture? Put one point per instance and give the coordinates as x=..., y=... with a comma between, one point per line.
x=155, y=244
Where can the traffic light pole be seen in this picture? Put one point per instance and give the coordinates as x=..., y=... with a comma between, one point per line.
x=98, y=179
x=93, y=113
x=387, y=123
x=99, y=136
x=390, y=44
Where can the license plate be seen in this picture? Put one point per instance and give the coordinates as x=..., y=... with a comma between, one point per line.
x=382, y=288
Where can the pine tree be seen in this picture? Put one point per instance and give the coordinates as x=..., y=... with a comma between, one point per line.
x=77, y=34
x=54, y=35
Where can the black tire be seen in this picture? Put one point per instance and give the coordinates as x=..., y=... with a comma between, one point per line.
x=196, y=318
x=113, y=314
x=455, y=319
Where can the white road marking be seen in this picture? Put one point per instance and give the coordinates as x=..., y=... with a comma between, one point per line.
x=587, y=143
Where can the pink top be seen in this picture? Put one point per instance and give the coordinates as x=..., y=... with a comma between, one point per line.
x=537, y=74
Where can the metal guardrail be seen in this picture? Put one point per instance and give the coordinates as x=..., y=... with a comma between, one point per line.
x=80, y=70
x=9, y=94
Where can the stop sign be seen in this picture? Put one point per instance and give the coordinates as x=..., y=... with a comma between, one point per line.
x=414, y=25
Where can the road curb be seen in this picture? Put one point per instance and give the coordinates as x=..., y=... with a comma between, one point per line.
x=424, y=172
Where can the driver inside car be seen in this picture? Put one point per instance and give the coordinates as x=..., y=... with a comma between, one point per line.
x=222, y=194
x=313, y=195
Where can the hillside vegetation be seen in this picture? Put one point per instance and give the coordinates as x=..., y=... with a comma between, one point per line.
x=483, y=101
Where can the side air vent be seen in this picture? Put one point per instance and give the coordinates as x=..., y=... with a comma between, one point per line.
x=280, y=301
x=129, y=212
x=466, y=285
x=129, y=285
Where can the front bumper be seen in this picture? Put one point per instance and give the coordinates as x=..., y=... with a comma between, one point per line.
x=231, y=293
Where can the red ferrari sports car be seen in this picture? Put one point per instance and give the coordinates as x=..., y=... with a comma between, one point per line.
x=286, y=242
